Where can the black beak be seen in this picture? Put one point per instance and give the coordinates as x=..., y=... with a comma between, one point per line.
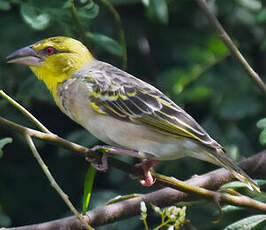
x=26, y=56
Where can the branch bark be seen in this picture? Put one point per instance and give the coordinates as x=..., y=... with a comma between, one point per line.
x=254, y=165
x=164, y=197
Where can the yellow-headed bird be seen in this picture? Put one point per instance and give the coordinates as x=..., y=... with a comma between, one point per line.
x=120, y=109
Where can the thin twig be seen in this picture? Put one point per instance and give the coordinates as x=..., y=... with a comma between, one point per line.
x=229, y=43
x=104, y=215
x=24, y=111
x=240, y=200
x=53, y=182
x=170, y=182
x=38, y=157
x=75, y=148
x=166, y=181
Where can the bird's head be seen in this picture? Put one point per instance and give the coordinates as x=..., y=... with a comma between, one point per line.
x=53, y=60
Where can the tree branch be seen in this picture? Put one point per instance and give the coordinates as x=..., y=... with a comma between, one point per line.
x=254, y=165
x=24, y=111
x=54, y=184
x=92, y=154
x=160, y=198
x=229, y=43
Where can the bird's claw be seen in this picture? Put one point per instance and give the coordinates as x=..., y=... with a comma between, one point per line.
x=148, y=181
x=146, y=165
x=99, y=163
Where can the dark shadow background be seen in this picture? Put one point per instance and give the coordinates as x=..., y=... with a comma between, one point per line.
x=170, y=45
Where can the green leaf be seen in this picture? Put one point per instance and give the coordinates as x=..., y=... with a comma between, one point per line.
x=146, y=2
x=89, y=11
x=3, y=142
x=4, y=5
x=239, y=184
x=261, y=124
x=185, y=77
x=230, y=208
x=248, y=223
x=88, y=183
x=34, y=18
x=198, y=93
x=234, y=185
x=261, y=182
x=158, y=10
x=67, y=4
x=262, y=137
x=106, y=43
x=251, y=4
x=261, y=16
x=217, y=46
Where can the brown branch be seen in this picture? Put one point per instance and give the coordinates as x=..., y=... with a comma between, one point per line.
x=75, y=148
x=254, y=165
x=160, y=198
x=229, y=43
x=93, y=153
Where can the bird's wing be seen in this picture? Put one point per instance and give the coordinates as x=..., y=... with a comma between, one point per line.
x=121, y=95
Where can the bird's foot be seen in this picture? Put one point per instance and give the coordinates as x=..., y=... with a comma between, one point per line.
x=99, y=163
x=146, y=165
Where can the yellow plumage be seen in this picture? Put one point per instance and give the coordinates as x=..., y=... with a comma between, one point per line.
x=118, y=108
x=59, y=67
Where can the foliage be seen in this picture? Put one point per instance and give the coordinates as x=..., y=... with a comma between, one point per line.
x=171, y=217
x=88, y=184
x=3, y=142
x=262, y=125
x=169, y=44
x=251, y=222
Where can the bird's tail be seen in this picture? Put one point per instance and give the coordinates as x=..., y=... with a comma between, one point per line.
x=238, y=173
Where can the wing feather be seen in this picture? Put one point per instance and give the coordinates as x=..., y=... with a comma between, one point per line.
x=125, y=97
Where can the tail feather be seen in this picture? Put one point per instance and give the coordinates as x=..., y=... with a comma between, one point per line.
x=238, y=173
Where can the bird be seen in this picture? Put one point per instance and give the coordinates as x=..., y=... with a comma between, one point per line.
x=120, y=109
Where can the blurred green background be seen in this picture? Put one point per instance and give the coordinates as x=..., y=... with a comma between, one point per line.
x=171, y=45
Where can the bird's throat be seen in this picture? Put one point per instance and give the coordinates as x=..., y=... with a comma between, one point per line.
x=51, y=80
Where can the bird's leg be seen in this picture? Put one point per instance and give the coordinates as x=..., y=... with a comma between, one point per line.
x=102, y=164
x=99, y=164
x=115, y=150
x=119, y=151
x=146, y=165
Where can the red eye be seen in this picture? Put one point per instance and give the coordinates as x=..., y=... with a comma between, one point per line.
x=49, y=50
